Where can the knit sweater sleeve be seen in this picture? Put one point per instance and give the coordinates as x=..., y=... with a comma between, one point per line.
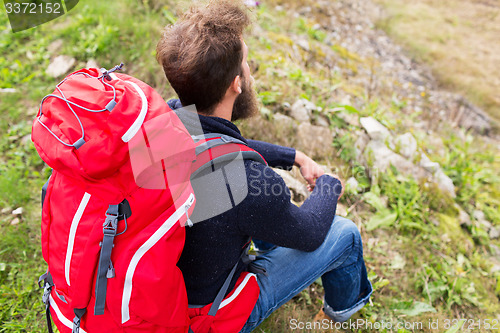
x=276, y=156
x=268, y=214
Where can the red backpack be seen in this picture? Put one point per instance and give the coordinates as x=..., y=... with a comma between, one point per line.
x=115, y=207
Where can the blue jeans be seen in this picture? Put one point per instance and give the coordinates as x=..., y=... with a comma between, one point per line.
x=338, y=261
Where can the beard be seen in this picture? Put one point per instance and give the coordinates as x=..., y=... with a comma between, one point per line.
x=246, y=104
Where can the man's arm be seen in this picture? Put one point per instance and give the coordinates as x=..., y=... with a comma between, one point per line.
x=268, y=214
x=275, y=155
x=285, y=158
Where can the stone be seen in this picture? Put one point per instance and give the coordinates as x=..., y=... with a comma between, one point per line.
x=341, y=210
x=316, y=140
x=301, y=110
x=378, y=158
x=322, y=120
x=15, y=221
x=304, y=44
x=283, y=119
x=463, y=217
x=494, y=233
x=360, y=144
x=18, y=211
x=444, y=183
x=350, y=118
x=60, y=65
x=436, y=144
x=486, y=224
x=352, y=185
x=91, y=63
x=375, y=130
x=495, y=250
x=55, y=46
x=428, y=165
x=298, y=189
x=406, y=145
x=478, y=215
x=26, y=139
x=6, y=210
x=8, y=90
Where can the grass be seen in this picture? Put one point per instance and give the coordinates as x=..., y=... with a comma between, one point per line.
x=457, y=39
x=423, y=265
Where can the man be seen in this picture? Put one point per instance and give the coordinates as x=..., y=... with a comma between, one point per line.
x=204, y=58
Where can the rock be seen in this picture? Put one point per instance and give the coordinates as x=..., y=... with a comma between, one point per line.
x=299, y=190
x=471, y=117
x=316, y=140
x=304, y=44
x=494, y=233
x=486, y=224
x=378, y=158
x=283, y=119
x=352, y=185
x=437, y=145
x=55, y=46
x=6, y=210
x=26, y=139
x=495, y=250
x=360, y=144
x=18, y=211
x=463, y=217
x=495, y=268
x=478, y=215
x=375, y=130
x=341, y=210
x=428, y=165
x=15, y=221
x=444, y=183
x=350, y=118
x=406, y=145
x=60, y=65
x=322, y=120
x=91, y=63
x=8, y=90
x=301, y=110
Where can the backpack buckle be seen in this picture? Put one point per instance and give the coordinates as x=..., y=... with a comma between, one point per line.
x=46, y=293
x=106, y=72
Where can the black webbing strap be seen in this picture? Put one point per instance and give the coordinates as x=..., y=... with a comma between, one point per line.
x=109, y=232
x=44, y=190
x=48, y=283
x=222, y=292
x=77, y=320
x=229, y=157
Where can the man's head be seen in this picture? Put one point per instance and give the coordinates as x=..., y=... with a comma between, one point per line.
x=203, y=55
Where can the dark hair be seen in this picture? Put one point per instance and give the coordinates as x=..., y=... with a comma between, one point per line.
x=201, y=53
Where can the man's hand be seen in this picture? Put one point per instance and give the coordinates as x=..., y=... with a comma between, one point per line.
x=309, y=169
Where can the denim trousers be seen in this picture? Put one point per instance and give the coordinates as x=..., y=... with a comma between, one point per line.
x=338, y=261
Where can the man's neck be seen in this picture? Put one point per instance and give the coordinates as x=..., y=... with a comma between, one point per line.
x=224, y=109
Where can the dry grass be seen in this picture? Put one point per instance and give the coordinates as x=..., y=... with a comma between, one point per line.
x=459, y=39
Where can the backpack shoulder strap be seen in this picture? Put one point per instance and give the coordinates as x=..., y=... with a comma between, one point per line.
x=216, y=149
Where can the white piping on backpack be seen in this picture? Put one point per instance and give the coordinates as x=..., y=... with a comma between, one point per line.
x=142, y=115
x=72, y=234
x=237, y=291
x=65, y=321
x=164, y=228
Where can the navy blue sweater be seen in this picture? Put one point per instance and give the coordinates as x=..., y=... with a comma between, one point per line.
x=214, y=245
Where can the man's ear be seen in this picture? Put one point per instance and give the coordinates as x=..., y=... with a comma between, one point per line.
x=236, y=84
